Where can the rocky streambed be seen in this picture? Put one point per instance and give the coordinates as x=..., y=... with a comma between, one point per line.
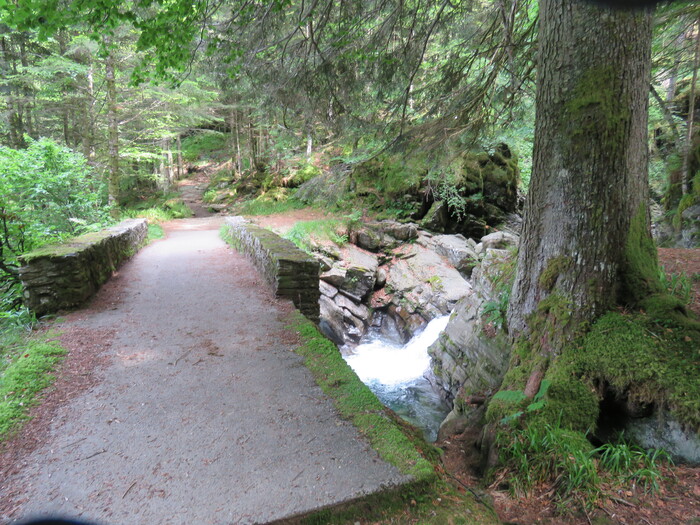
x=379, y=292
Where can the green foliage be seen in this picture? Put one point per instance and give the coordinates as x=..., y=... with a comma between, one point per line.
x=306, y=234
x=517, y=398
x=580, y=474
x=203, y=145
x=267, y=206
x=26, y=365
x=676, y=284
x=47, y=193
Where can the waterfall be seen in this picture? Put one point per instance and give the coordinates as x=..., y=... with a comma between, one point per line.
x=397, y=375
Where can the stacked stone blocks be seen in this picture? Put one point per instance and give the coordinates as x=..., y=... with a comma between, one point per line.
x=60, y=276
x=292, y=273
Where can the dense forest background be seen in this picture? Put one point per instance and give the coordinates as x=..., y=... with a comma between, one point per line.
x=409, y=110
x=114, y=112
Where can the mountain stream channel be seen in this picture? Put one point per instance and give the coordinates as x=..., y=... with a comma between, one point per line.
x=398, y=374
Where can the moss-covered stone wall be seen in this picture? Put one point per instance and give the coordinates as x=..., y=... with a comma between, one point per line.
x=65, y=275
x=290, y=272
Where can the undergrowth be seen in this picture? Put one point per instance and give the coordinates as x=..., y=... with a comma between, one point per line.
x=304, y=234
x=578, y=473
x=268, y=206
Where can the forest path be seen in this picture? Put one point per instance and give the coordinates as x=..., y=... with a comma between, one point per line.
x=182, y=402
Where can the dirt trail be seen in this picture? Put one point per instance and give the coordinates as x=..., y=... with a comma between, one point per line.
x=200, y=413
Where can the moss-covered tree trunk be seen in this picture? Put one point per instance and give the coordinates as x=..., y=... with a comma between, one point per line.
x=586, y=243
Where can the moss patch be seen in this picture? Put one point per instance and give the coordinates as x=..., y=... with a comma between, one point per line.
x=24, y=378
x=640, y=269
x=631, y=353
x=555, y=267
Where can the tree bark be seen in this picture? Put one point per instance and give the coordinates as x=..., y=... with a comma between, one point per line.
x=690, y=122
x=113, y=131
x=586, y=241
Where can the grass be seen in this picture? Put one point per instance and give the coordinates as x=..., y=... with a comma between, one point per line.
x=677, y=284
x=548, y=454
x=304, y=233
x=26, y=364
x=266, y=206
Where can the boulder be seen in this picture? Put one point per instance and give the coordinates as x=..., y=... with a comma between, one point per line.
x=331, y=323
x=498, y=241
x=419, y=266
x=360, y=271
x=335, y=276
x=466, y=358
x=383, y=235
x=455, y=248
x=662, y=431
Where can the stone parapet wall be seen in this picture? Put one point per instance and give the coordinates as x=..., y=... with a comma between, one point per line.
x=290, y=272
x=65, y=275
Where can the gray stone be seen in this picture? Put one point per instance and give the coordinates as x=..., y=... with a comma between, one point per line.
x=327, y=289
x=457, y=250
x=360, y=271
x=331, y=323
x=663, y=431
x=465, y=357
x=499, y=240
x=335, y=276
x=359, y=310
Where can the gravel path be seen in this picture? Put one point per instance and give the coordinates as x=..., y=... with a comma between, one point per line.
x=200, y=411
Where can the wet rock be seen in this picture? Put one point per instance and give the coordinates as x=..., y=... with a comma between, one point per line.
x=467, y=357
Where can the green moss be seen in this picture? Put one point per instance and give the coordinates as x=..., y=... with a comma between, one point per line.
x=75, y=245
x=555, y=267
x=22, y=380
x=647, y=362
x=596, y=111
x=640, y=269
x=667, y=309
x=551, y=319
x=631, y=353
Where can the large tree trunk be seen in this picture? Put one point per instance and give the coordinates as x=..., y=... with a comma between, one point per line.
x=586, y=241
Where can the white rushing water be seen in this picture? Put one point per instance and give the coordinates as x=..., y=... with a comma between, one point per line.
x=390, y=364
x=396, y=374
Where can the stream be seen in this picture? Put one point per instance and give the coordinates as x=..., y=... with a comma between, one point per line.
x=397, y=373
